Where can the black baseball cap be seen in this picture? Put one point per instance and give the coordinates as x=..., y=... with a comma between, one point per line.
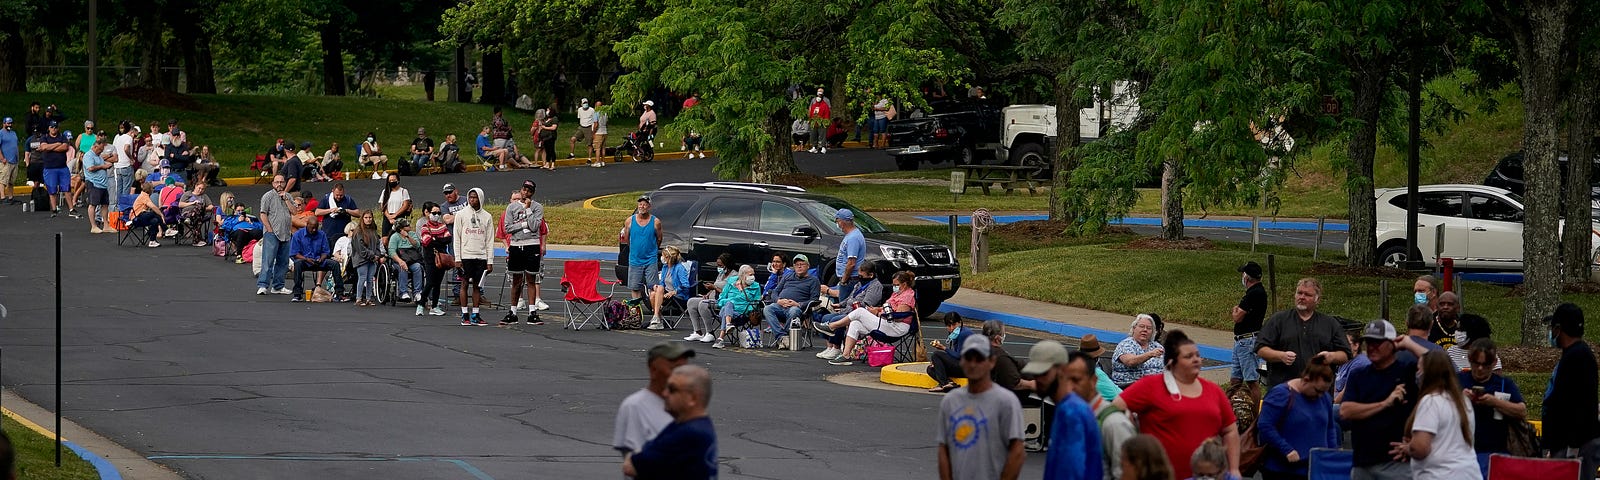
x=1568, y=317
x=644, y=198
x=1252, y=269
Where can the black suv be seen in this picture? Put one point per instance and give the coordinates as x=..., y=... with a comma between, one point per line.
x=755, y=221
x=963, y=132
x=1508, y=173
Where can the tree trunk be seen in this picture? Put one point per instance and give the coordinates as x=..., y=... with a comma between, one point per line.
x=428, y=80
x=494, y=76
x=1171, y=200
x=774, y=160
x=1064, y=152
x=149, y=46
x=1542, y=38
x=333, y=81
x=200, y=66
x=1575, y=242
x=13, y=57
x=1362, y=148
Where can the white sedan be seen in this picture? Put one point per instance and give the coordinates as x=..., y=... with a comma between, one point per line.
x=1482, y=226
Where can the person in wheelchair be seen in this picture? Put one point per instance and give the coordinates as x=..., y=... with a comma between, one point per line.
x=366, y=255
x=893, y=319
x=869, y=293
x=405, y=249
x=739, y=296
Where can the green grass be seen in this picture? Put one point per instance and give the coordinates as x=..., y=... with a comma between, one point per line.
x=36, y=456
x=239, y=127
x=576, y=226
x=1532, y=386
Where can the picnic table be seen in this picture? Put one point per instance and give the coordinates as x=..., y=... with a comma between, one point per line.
x=1008, y=177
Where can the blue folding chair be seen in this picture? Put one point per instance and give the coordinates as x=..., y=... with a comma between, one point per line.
x=1330, y=464
x=124, y=224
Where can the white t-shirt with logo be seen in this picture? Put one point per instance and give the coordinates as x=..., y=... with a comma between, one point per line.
x=1451, y=457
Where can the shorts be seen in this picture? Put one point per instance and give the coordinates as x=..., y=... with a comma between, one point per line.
x=584, y=136
x=880, y=125
x=8, y=173
x=58, y=180
x=1244, y=360
x=524, y=259
x=600, y=140
x=501, y=142
x=472, y=271
x=645, y=277
x=98, y=196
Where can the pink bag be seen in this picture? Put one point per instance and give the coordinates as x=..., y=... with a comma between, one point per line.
x=879, y=355
x=249, y=251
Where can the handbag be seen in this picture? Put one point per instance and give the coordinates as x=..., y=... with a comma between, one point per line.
x=443, y=260
x=880, y=354
x=1521, y=440
x=1252, y=454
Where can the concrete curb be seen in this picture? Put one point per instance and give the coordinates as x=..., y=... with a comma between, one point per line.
x=101, y=466
x=111, y=460
x=1224, y=355
x=911, y=375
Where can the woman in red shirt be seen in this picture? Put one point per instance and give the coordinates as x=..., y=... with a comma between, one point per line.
x=1181, y=409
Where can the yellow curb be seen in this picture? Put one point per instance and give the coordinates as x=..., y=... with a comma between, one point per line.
x=589, y=204
x=910, y=375
x=27, y=423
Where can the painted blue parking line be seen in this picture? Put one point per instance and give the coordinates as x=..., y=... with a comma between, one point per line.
x=462, y=464
x=103, y=467
x=1207, y=352
x=1295, y=226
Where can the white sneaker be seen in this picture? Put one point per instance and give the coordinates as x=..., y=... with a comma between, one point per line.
x=829, y=354
x=420, y=310
x=539, y=304
x=436, y=311
x=693, y=337
x=261, y=290
x=656, y=325
x=153, y=244
x=783, y=343
x=702, y=154
x=375, y=176
x=824, y=150
x=812, y=150
x=283, y=291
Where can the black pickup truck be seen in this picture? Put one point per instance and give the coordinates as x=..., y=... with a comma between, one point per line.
x=963, y=132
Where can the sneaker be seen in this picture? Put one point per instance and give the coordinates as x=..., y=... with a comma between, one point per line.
x=540, y=305
x=201, y=243
x=436, y=311
x=478, y=321
x=238, y=260
x=719, y=344
x=656, y=325
x=822, y=327
x=693, y=337
x=171, y=232
x=841, y=360
x=405, y=297
x=510, y=319
x=707, y=338
x=829, y=354
x=571, y=156
x=812, y=150
x=73, y=213
x=534, y=320
x=783, y=343
x=824, y=150
x=283, y=291
x=466, y=322
x=263, y=174
x=702, y=154
x=420, y=310
x=153, y=244
x=375, y=175
x=261, y=290
x=296, y=299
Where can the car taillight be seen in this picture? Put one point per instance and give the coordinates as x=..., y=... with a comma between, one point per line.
x=941, y=133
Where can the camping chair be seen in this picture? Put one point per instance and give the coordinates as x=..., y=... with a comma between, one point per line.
x=905, y=346
x=1506, y=467
x=1330, y=464
x=673, y=309
x=580, y=282
x=122, y=221
x=261, y=164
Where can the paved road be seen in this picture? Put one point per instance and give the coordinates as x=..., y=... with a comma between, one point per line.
x=168, y=352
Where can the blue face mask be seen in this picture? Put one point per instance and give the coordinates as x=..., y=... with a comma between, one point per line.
x=1552, y=338
x=1420, y=298
x=896, y=289
x=722, y=270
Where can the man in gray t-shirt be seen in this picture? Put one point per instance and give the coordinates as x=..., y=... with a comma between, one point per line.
x=980, y=425
x=277, y=229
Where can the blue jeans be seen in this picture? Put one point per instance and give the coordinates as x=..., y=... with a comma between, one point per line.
x=410, y=279
x=644, y=278
x=728, y=311
x=780, y=327
x=419, y=161
x=364, y=274
x=1244, y=360
x=124, y=178
x=275, y=261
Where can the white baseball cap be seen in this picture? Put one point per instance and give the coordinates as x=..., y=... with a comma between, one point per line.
x=650, y=103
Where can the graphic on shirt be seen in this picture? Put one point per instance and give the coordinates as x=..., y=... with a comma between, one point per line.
x=966, y=427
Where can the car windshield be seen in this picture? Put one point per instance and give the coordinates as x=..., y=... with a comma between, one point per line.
x=826, y=209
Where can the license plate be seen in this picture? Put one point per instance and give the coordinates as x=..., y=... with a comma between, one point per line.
x=946, y=284
x=914, y=149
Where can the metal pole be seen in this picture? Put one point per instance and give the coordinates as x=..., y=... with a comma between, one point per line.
x=1272, y=280
x=953, y=235
x=1255, y=232
x=1383, y=298
x=1316, y=251
x=58, y=350
x=94, y=62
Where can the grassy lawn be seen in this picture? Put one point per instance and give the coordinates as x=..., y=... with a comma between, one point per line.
x=239, y=127
x=36, y=456
x=900, y=198
x=576, y=226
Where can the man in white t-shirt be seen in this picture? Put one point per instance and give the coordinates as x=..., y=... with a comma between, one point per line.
x=644, y=413
x=121, y=177
x=585, y=133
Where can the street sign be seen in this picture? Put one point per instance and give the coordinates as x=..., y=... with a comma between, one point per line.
x=958, y=182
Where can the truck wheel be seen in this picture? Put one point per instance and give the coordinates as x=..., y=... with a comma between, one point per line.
x=1030, y=155
x=906, y=162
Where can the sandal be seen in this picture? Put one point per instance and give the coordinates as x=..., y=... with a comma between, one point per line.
x=946, y=388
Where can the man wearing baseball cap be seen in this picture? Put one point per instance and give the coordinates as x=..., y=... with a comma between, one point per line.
x=1247, y=318
x=453, y=202
x=421, y=150
x=53, y=147
x=1075, y=446
x=797, y=289
x=585, y=131
x=980, y=426
x=9, y=155
x=644, y=413
x=1377, y=402
x=852, y=249
x=525, y=230
x=1570, y=427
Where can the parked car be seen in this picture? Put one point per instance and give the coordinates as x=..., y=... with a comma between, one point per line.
x=754, y=221
x=1508, y=173
x=1482, y=226
x=961, y=132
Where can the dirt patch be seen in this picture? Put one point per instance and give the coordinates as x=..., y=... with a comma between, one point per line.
x=1334, y=269
x=158, y=97
x=1574, y=287
x=804, y=180
x=1524, y=358
x=1186, y=243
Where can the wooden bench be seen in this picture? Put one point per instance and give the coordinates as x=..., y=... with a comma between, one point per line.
x=1008, y=177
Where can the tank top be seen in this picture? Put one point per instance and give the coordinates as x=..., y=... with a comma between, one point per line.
x=642, y=245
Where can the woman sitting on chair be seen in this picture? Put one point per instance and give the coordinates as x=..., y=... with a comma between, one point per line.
x=674, y=284
x=739, y=296
x=700, y=307
x=894, y=320
x=146, y=214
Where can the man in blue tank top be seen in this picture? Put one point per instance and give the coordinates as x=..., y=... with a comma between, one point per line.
x=643, y=236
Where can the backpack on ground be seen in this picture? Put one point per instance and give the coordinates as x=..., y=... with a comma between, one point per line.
x=614, y=312
x=40, y=198
x=406, y=168
x=451, y=163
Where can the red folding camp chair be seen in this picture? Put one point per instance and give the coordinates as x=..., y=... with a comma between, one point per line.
x=580, y=282
x=1506, y=467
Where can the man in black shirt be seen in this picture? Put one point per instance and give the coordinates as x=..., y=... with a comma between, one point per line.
x=1377, y=402
x=1445, y=331
x=1247, y=316
x=1291, y=338
x=421, y=150
x=293, y=172
x=1570, y=426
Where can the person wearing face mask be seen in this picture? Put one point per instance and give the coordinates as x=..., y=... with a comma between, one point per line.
x=1247, y=317
x=1425, y=291
x=396, y=203
x=585, y=132
x=738, y=297
x=1075, y=446
x=1296, y=417
x=436, y=239
x=819, y=111
x=1570, y=427
x=700, y=308
x=372, y=155
x=893, y=319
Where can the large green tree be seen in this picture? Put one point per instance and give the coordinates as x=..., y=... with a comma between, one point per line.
x=742, y=57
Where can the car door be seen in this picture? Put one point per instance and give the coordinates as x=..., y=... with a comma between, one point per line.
x=775, y=233
x=1434, y=209
x=1494, y=232
x=725, y=227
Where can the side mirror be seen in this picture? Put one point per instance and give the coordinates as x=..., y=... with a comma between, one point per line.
x=804, y=231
